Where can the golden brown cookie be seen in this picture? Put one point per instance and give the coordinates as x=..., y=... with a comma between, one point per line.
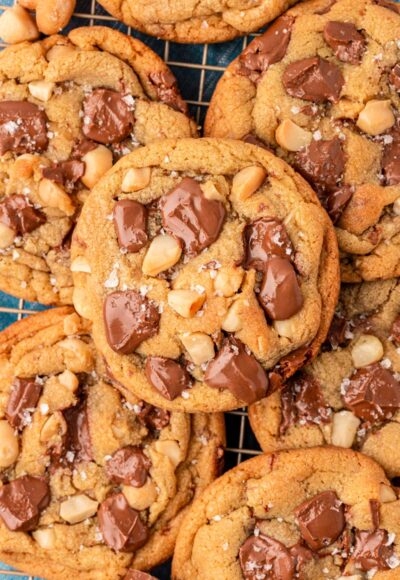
x=205, y=265
x=350, y=395
x=196, y=21
x=311, y=514
x=321, y=88
x=91, y=483
x=70, y=107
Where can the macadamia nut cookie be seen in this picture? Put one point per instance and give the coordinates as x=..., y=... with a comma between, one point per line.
x=91, y=483
x=310, y=514
x=321, y=88
x=69, y=108
x=209, y=270
x=350, y=395
x=196, y=21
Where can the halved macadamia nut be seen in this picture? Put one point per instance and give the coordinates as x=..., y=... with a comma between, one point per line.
x=186, y=302
x=136, y=179
x=163, y=253
x=247, y=181
x=292, y=137
x=367, y=350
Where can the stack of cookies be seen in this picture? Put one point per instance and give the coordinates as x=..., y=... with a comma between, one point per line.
x=256, y=266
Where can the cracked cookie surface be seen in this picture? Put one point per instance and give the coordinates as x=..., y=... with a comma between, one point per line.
x=196, y=21
x=350, y=394
x=105, y=478
x=310, y=514
x=215, y=268
x=321, y=88
x=70, y=107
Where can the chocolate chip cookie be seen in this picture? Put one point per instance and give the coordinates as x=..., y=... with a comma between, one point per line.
x=92, y=482
x=350, y=395
x=321, y=88
x=209, y=270
x=196, y=20
x=70, y=107
x=311, y=514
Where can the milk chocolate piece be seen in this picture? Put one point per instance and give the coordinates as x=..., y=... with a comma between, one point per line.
x=394, y=77
x=280, y=294
x=264, y=557
x=78, y=446
x=322, y=163
x=337, y=201
x=24, y=396
x=337, y=332
x=120, y=525
x=253, y=140
x=66, y=173
x=167, y=90
x=107, y=117
x=265, y=238
x=372, y=551
x=129, y=465
x=321, y=520
x=167, y=376
x=153, y=417
x=302, y=401
x=347, y=43
x=130, y=222
x=391, y=159
x=313, y=79
x=23, y=128
x=192, y=218
x=22, y=501
x=395, y=331
x=17, y=214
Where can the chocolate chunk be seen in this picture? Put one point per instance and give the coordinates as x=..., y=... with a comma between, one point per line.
x=337, y=332
x=326, y=8
x=375, y=508
x=129, y=465
x=23, y=128
x=120, y=525
x=372, y=551
x=192, y=218
x=302, y=401
x=346, y=42
x=167, y=376
x=153, y=417
x=129, y=318
x=280, y=294
x=77, y=445
x=22, y=501
x=82, y=147
x=321, y=519
x=373, y=394
x=23, y=399
x=337, y=201
x=138, y=575
x=253, y=140
x=17, y=214
x=395, y=331
x=267, y=49
x=107, y=117
x=265, y=238
x=391, y=159
x=167, y=90
x=322, y=163
x=130, y=222
x=236, y=369
x=264, y=557
x=313, y=79
x=389, y=5
x=394, y=77
x=301, y=556
x=66, y=173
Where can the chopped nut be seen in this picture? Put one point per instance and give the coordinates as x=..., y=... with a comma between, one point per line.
x=53, y=15
x=97, y=163
x=211, y=190
x=344, y=428
x=9, y=448
x=396, y=206
x=386, y=493
x=41, y=90
x=376, y=117
x=199, y=346
x=81, y=302
x=286, y=328
x=78, y=508
x=72, y=324
x=367, y=350
x=186, y=302
x=52, y=195
x=140, y=498
x=80, y=264
x=7, y=236
x=45, y=537
x=232, y=321
x=69, y=380
x=78, y=356
x=247, y=181
x=228, y=281
x=170, y=449
x=54, y=428
x=135, y=179
x=292, y=137
x=163, y=253
x=17, y=25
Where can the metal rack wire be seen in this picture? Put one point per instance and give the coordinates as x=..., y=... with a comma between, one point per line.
x=198, y=69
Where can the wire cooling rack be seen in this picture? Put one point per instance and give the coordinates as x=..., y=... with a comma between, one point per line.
x=198, y=68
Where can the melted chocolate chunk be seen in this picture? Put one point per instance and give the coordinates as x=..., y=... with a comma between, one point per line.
x=265, y=238
x=394, y=77
x=23, y=399
x=301, y=556
x=77, y=441
x=302, y=402
x=267, y=49
x=389, y=5
x=66, y=173
x=167, y=376
x=120, y=525
x=337, y=332
x=129, y=319
x=22, y=501
x=23, y=128
x=372, y=550
x=264, y=557
x=129, y=465
x=18, y=215
x=280, y=294
x=326, y=8
x=322, y=163
x=192, y=218
x=337, y=201
x=253, y=140
x=321, y=520
x=167, y=90
x=373, y=394
x=82, y=147
x=130, y=222
x=391, y=159
x=313, y=79
x=395, y=331
x=236, y=369
x=153, y=417
x=346, y=42
x=107, y=117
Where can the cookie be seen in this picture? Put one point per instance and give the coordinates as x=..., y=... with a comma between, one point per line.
x=321, y=88
x=196, y=21
x=91, y=483
x=350, y=395
x=70, y=107
x=310, y=514
x=203, y=264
